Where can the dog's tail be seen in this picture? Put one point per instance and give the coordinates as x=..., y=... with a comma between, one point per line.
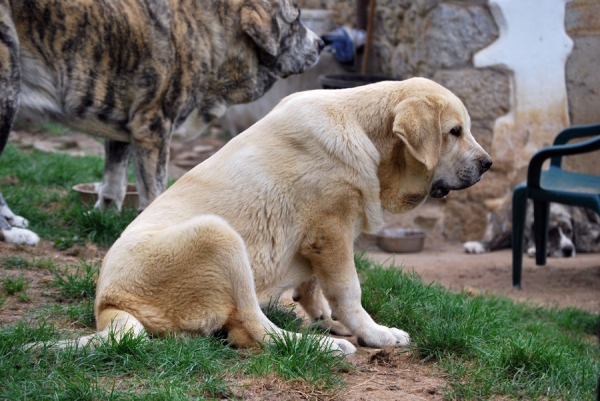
x=122, y=325
x=10, y=72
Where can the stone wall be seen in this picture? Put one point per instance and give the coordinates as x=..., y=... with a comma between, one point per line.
x=439, y=40
x=582, y=23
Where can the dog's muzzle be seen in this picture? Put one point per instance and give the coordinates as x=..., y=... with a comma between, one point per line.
x=441, y=188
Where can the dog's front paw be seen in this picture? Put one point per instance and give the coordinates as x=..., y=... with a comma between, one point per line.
x=20, y=236
x=531, y=251
x=18, y=221
x=473, y=247
x=384, y=337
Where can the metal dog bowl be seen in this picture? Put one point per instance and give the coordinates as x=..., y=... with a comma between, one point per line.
x=88, y=193
x=401, y=240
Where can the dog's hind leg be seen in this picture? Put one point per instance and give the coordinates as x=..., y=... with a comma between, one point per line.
x=224, y=284
x=151, y=135
x=10, y=85
x=114, y=181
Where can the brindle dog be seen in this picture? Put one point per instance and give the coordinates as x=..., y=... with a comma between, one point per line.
x=140, y=72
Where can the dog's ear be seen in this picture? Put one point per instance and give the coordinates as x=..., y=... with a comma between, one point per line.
x=256, y=23
x=289, y=10
x=417, y=124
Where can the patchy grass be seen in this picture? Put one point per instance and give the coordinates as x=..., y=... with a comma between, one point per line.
x=489, y=347
x=80, y=284
x=15, y=285
x=40, y=189
x=161, y=368
x=19, y=262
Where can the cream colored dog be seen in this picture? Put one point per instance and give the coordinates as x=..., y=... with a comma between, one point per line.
x=279, y=207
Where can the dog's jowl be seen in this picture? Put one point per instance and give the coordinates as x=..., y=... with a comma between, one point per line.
x=141, y=72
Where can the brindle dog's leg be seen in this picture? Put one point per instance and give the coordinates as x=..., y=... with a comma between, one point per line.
x=17, y=234
x=10, y=84
x=151, y=134
x=114, y=181
x=10, y=73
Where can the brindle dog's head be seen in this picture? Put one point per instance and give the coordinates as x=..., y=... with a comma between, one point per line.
x=271, y=43
x=285, y=45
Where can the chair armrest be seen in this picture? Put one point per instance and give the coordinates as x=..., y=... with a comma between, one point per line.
x=576, y=132
x=556, y=153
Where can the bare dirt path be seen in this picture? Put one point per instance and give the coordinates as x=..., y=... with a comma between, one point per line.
x=561, y=282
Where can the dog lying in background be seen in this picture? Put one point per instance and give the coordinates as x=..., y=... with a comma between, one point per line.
x=570, y=230
x=139, y=73
x=279, y=208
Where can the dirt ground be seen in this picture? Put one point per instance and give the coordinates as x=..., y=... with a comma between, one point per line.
x=561, y=282
x=379, y=374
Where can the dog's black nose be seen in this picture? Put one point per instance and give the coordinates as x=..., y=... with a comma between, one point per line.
x=567, y=252
x=321, y=45
x=486, y=163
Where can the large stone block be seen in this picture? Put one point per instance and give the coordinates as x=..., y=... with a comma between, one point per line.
x=453, y=33
x=380, y=59
x=583, y=17
x=483, y=131
x=485, y=92
x=583, y=88
x=400, y=62
x=389, y=23
x=583, y=80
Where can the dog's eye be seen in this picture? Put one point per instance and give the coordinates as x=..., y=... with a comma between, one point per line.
x=553, y=234
x=456, y=130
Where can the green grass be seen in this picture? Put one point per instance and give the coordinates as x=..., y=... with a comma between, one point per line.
x=161, y=368
x=80, y=284
x=293, y=358
x=15, y=285
x=489, y=347
x=19, y=262
x=43, y=195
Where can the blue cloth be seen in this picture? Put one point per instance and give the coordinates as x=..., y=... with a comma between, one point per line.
x=342, y=44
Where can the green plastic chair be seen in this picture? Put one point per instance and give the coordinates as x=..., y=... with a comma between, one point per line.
x=552, y=185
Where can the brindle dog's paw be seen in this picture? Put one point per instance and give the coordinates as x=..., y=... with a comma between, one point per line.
x=18, y=221
x=20, y=236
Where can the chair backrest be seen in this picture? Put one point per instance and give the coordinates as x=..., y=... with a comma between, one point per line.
x=581, y=131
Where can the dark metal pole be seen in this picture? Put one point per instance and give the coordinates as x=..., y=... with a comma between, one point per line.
x=361, y=14
x=369, y=37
